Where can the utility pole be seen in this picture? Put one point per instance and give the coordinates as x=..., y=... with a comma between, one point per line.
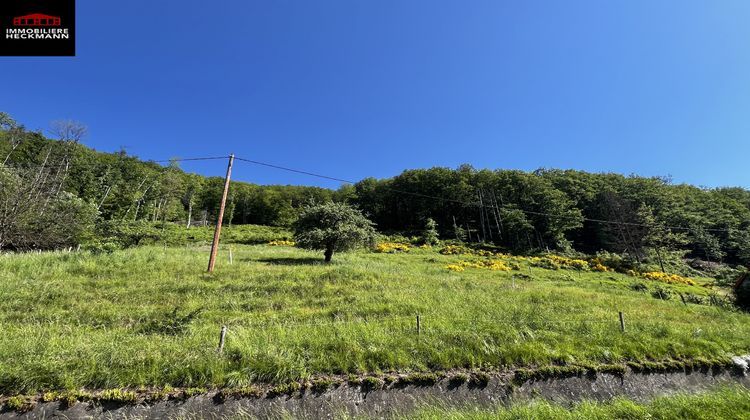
x=217, y=231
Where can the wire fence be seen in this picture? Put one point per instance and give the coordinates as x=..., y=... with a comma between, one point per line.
x=451, y=326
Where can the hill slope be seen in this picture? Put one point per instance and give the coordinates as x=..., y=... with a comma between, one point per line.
x=149, y=316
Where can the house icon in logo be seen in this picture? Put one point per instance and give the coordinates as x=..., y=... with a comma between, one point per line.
x=36, y=19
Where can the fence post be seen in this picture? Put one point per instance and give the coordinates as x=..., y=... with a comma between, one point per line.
x=419, y=325
x=622, y=322
x=222, y=338
x=230, y=254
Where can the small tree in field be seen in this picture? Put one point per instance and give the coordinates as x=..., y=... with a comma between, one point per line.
x=332, y=227
x=430, y=234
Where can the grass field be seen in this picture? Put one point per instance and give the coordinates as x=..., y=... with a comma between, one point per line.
x=722, y=404
x=151, y=316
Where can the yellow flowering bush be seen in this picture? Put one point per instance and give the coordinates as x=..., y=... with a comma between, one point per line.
x=281, y=242
x=512, y=262
x=458, y=250
x=544, y=262
x=390, y=248
x=495, y=265
x=454, y=267
x=598, y=267
x=668, y=278
x=573, y=263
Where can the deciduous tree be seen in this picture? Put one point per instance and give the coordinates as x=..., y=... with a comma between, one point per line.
x=332, y=227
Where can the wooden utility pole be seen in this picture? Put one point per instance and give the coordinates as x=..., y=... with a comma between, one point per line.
x=217, y=231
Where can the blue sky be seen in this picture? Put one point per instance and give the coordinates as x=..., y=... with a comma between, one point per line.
x=355, y=88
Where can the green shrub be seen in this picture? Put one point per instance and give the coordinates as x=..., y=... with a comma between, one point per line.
x=616, y=262
x=662, y=293
x=692, y=298
x=638, y=287
x=18, y=403
x=430, y=234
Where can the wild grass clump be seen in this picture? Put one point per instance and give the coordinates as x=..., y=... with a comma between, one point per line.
x=693, y=298
x=548, y=372
x=19, y=403
x=118, y=396
x=169, y=323
x=661, y=293
x=193, y=391
x=419, y=379
x=322, y=384
x=162, y=394
x=459, y=378
x=638, y=287
x=284, y=389
x=372, y=383
x=250, y=391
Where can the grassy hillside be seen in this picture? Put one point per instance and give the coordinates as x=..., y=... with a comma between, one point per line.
x=150, y=316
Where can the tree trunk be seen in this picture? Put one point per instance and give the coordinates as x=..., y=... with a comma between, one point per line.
x=661, y=262
x=329, y=253
x=190, y=212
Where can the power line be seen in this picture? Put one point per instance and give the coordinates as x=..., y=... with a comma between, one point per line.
x=294, y=170
x=475, y=204
x=411, y=193
x=351, y=182
x=190, y=159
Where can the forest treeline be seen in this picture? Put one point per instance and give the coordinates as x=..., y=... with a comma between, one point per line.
x=56, y=192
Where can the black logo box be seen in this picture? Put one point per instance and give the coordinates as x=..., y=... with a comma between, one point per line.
x=64, y=9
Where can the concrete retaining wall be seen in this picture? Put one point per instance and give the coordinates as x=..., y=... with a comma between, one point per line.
x=400, y=400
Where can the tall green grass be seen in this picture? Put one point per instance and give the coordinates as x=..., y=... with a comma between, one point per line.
x=151, y=316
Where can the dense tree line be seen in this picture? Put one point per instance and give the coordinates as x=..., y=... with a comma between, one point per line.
x=59, y=181
x=564, y=209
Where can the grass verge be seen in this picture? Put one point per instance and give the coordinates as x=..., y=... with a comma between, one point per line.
x=724, y=403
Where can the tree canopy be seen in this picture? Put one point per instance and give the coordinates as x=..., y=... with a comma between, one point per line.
x=521, y=211
x=332, y=227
